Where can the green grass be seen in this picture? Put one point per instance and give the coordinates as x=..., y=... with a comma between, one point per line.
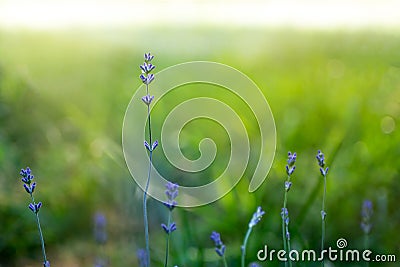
x=62, y=101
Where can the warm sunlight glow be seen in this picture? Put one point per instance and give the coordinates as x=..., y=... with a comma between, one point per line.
x=302, y=13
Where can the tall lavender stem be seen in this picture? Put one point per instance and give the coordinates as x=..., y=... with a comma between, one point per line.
x=254, y=220
x=147, y=78
x=290, y=167
x=324, y=171
x=27, y=178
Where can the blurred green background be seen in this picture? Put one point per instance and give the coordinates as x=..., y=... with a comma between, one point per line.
x=63, y=96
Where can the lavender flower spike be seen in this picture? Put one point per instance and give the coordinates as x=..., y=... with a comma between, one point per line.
x=366, y=215
x=219, y=246
x=27, y=178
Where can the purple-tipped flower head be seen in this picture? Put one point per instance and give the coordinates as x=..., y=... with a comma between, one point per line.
x=219, y=246
x=256, y=217
x=27, y=175
x=290, y=163
x=169, y=229
x=35, y=207
x=321, y=162
x=171, y=193
x=147, y=99
x=148, y=57
x=320, y=158
x=366, y=215
x=146, y=68
x=46, y=264
x=100, y=224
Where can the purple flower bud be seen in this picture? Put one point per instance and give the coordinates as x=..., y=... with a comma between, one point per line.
x=169, y=229
x=288, y=185
x=147, y=145
x=291, y=158
x=324, y=172
x=33, y=186
x=290, y=170
x=46, y=264
x=35, y=207
x=147, y=67
x=147, y=99
x=154, y=145
x=284, y=213
x=321, y=159
x=219, y=246
x=323, y=214
x=171, y=193
x=27, y=177
x=27, y=188
x=256, y=217
x=220, y=251
x=148, y=57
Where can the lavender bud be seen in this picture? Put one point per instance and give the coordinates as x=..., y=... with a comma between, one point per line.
x=147, y=145
x=147, y=99
x=220, y=251
x=288, y=185
x=155, y=144
x=148, y=57
x=291, y=158
x=27, y=188
x=321, y=159
x=46, y=264
x=323, y=214
x=219, y=246
x=256, y=217
x=35, y=207
x=171, y=193
x=216, y=237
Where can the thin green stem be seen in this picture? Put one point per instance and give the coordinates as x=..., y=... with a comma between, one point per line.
x=224, y=261
x=146, y=224
x=244, y=246
x=40, y=231
x=285, y=228
x=145, y=219
x=289, y=249
x=323, y=221
x=366, y=246
x=283, y=224
x=168, y=237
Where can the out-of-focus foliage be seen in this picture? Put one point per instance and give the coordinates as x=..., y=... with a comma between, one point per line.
x=62, y=103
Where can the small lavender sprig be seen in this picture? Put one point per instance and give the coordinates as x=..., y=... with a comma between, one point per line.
x=27, y=178
x=254, y=220
x=219, y=246
x=100, y=236
x=290, y=167
x=366, y=225
x=172, y=193
x=324, y=172
x=147, y=78
x=142, y=257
